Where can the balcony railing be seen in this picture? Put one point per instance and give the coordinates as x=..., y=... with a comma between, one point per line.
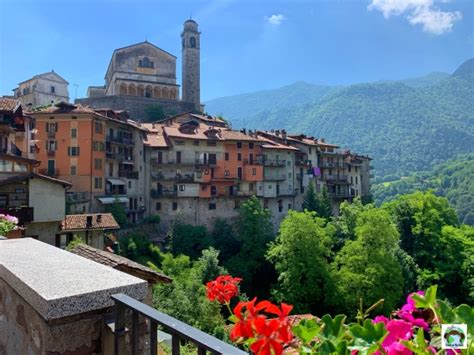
x=51, y=134
x=51, y=153
x=341, y=194
x=78, y=197
x=179, y=331
x=163, y=193
x=256, y=161
x=119, y=140
x=274, y=162
x=24, y=214
x=274, y=177
x=328, y=164
x=49, y=172
x=128, y=174
x=335, y=177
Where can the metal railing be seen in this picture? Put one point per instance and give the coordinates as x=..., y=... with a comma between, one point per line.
x=179, y=331
x=120, y=140
x=49, y=172
x=77, y=197
x=51, y=153
x=328, y=164
x=128, y=174
x=335, y=177
x=274, y=162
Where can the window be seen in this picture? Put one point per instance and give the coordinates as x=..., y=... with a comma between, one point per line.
x=174, y=206
x=3, y=201
x=179, y=142
x=213, y=190
x=280, y=206
x=182, y=187
x=211, y=143
x=356, y=180
x=98, y=164
x=239, y=156
x=251, y=145
x=289, y=175
x=254, y=171
x=212, y=206
x=226, y=173
x=204, y=188
x=53, y=89
x=251, y=187
x=352, y=180
x=289, y=206
x=98, y=182
x=269, y=187
x=196, y=142
x=146, y=63
x=73, y=170
x=192, y=42
x=355, y=168
x=349, y=169
x=98, y=127
x=129, y=184
x=158, y=206
x=226, y=156
x=73, y=132
x=51, y=146
x=239, y=145
x=51, y=127
x=178, y=157
x=73, y=151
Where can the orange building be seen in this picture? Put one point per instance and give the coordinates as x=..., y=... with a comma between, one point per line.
x=71, y=146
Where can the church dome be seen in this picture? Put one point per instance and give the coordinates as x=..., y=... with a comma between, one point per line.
x=190, y=25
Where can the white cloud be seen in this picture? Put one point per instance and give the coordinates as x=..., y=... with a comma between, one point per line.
x=419, y=12
x=276, y=19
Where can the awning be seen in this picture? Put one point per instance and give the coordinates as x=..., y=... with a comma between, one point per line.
x=116, y=182
x=110, y=200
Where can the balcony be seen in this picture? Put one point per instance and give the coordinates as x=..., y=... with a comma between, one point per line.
x=303, y=162
x=274, y=162
x=180, y=331
x=51, y=134
x=51, y=153
x=78, y=197
x=119, y=156
x=331, y=165
x=335, y=178
x=49, y=172
x=119, y=140
x=24, y=214
x=257, y=161
x=128, y=174
x=341, y=194
x=274, y=177
x=163, y=193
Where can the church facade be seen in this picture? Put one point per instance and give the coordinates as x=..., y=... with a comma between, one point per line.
x=143, y=74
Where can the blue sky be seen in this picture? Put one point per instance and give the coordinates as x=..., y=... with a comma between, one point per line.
x=245, y=45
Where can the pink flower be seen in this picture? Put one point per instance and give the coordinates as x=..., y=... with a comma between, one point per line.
x=410, y=305
x=380, y=319
x=397, y=330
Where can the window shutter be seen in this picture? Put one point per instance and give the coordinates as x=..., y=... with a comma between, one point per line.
x=56, y=127
x=77, y=153
x=69, y=151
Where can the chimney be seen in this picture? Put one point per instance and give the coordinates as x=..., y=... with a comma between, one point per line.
x=283, y=133
x=277, y=132
x=88, y=221
x=323, y=140
x=99, y=218
x=153, y=125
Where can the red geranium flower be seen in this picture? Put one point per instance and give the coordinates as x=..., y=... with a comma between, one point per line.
x=223, y=288
x=271, y=335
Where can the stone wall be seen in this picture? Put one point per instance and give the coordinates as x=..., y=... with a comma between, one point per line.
x=136, y=105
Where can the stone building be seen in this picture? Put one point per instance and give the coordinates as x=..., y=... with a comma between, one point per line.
x=42, y=89
x=143, y=74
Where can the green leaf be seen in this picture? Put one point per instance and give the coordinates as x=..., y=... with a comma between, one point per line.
x=445, y=312
x=367, y=335
x=306, y=330
x=465, y=314
x=333, y=326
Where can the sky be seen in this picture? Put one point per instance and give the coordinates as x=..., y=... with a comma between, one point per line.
x=245, y=45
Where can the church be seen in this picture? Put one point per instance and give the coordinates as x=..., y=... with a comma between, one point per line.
x=143, y=74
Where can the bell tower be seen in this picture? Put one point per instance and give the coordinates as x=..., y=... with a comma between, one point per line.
x=191, y=43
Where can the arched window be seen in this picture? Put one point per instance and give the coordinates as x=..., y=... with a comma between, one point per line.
x=146, y=62
x=192, y=42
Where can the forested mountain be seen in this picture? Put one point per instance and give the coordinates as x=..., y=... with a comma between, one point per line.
x=404, y=128
x=452, y=179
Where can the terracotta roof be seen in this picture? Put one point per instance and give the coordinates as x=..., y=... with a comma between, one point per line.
x=120, y=263
x=21, y=177
x=271, y=144
x=155, y=140
x=173, y=131
x=74, y=222
x=66, y=107
x=231, y=135
x=9, y=105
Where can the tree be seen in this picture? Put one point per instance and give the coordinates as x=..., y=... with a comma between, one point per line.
x=185, y=298
x=118, y=211
x=310, y=201
x=223, y=237
x=154, y=112
x=188, y=239
x=254, y=231
x=301, y=258
x=366, y=268
x=324, y=207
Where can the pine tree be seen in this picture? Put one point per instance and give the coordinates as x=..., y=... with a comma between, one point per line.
x=310, y=201
x=324, y=208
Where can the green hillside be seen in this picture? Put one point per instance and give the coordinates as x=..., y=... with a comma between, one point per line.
x=452, y=179
x=403, y=128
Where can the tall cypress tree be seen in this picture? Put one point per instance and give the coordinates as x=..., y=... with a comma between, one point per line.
x=310, y=202
x=324, y=208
